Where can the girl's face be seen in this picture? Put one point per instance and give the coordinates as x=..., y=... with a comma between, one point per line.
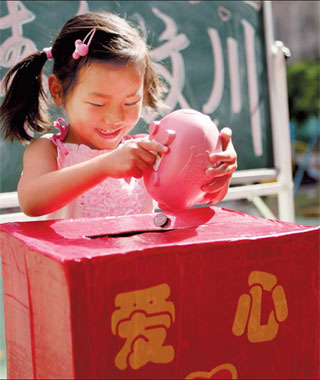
x=104, y=105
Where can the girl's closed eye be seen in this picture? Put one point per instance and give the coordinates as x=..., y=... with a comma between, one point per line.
x=96, y=105
x=132, y=102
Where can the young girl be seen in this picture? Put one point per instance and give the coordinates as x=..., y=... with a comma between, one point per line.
x=102, y=76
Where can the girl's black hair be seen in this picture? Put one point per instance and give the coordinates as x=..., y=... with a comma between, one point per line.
x=25, y=100
x=25, y=107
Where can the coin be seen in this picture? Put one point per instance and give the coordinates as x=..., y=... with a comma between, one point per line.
x=161, y=220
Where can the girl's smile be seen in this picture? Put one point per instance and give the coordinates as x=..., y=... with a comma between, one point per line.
x=109, y=134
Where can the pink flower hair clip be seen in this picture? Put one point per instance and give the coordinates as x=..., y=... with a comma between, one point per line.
x=48, y=51
x=82, y=48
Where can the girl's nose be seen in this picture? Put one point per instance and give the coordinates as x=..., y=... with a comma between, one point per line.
x=114, y=115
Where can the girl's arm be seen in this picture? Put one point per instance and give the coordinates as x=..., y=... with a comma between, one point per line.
x=43, y=188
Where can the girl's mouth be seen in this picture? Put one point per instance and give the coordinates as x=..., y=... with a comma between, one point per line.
x=106, y=134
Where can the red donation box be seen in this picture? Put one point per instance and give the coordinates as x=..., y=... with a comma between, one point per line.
x=206, y=293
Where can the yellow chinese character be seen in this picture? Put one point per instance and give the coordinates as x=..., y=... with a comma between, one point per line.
x=223, y=371
x=142, y=318
x=256, y=331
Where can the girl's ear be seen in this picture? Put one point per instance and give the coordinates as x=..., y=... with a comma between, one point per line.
x=55, y=89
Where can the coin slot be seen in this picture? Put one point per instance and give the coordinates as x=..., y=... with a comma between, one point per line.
x=125, y=234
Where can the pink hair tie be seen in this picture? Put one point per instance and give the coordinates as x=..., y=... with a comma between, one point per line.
x=48, y=51
x=57, y=139
x=82, y=48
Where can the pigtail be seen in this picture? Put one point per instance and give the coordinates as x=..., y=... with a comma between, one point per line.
x=154, y=88
x=25, y=103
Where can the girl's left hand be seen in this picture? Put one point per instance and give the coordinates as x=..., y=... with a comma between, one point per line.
x=219, y=173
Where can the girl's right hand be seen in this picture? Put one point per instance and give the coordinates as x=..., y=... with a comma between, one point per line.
x=133, y=157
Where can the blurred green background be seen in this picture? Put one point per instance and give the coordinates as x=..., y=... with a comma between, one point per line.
x=303, y=81
x=297, y=25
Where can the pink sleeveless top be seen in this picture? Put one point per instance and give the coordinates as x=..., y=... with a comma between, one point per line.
x=112, y=197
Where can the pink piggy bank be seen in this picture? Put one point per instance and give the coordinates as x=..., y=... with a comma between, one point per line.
x=191, y=136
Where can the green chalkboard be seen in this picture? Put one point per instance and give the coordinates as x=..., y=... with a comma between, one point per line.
x=210, y=53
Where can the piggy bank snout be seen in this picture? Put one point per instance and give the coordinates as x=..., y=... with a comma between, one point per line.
x=164, y=136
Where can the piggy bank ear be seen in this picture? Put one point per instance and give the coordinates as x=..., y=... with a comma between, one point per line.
x=154, y=126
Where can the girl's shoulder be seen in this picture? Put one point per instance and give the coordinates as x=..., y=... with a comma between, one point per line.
x=42, y=146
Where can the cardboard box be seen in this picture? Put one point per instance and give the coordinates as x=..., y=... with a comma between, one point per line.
x=206, y=293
